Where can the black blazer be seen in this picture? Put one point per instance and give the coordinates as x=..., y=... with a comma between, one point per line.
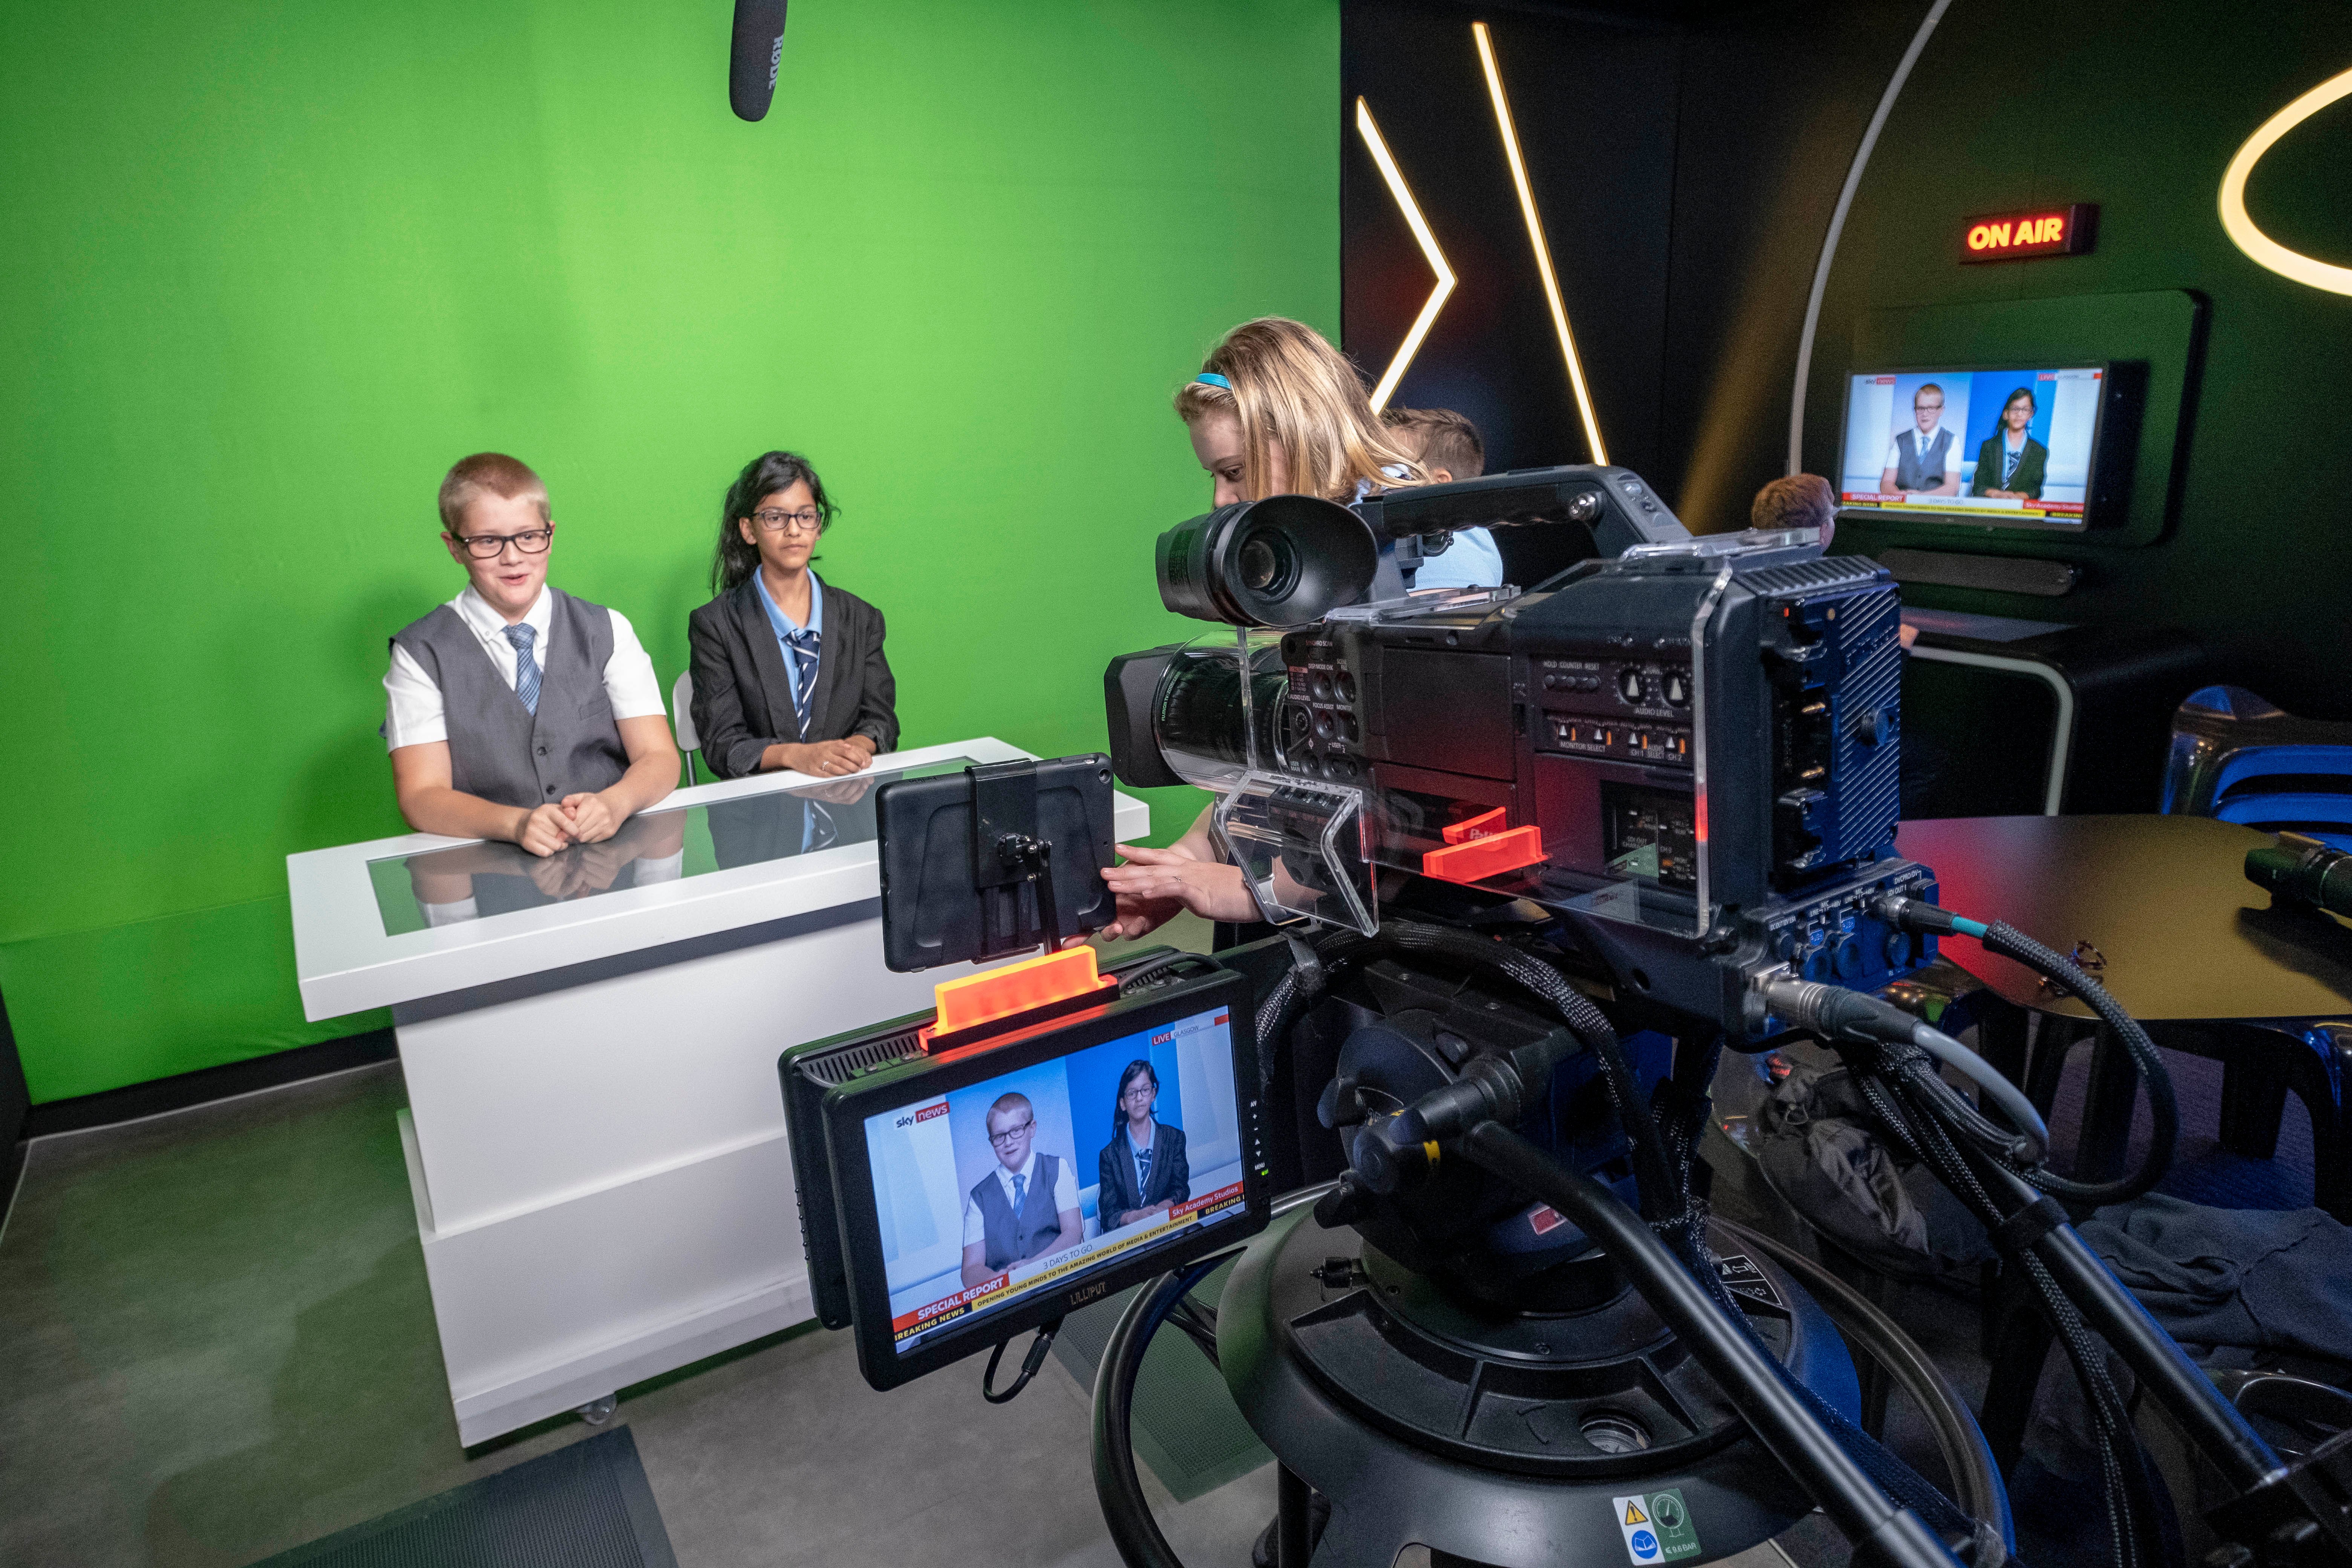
x=2032, y=464
x=743, y=699
x=1171, y=1178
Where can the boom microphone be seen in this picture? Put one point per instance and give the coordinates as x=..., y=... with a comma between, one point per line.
x=758, y=53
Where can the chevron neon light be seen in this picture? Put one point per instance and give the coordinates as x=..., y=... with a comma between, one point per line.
x=1371, y=131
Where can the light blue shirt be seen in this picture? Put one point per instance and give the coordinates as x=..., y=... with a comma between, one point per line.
x=785, y=626
x=1472, y=561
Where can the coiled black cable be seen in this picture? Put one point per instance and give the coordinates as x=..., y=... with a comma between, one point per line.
x=2007, y=941
x=2164, y=1109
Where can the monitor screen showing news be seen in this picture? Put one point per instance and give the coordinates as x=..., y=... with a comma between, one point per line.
x=1032, y=1178
x=2014, y=446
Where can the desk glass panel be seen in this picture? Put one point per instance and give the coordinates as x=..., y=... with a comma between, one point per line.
x=482, y=881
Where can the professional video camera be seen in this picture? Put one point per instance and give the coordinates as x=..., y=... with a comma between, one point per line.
x=1688, y=750
x=1538, y=857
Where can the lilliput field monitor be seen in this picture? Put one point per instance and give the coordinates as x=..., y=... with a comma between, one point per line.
x=950, y=1202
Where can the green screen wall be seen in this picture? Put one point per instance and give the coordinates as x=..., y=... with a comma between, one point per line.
x=273, y=267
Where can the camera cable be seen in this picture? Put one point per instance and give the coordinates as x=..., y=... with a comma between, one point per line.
x=1029, y=1364
x=1896, y=1059
x=2001, y=938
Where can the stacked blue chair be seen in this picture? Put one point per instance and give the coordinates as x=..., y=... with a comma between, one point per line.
x=2240, y=758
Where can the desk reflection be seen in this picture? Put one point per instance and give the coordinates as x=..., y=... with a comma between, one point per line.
x=473, y=880
x=771, y=827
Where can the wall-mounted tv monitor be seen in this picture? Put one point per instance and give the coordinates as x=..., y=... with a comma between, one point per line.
x=951, y=1202
x=2014, y=446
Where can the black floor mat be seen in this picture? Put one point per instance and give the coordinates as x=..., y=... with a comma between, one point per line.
x=586, y=1505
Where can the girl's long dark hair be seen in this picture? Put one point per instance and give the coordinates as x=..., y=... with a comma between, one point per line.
x=1118, y=1105
x=737, y=558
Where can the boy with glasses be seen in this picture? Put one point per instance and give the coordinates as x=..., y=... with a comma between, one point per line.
x=1025, y=1208
x=515, y=711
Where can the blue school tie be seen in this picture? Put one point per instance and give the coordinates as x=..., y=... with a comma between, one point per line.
x=1020, y=1185
x=801, y=646
x=526, y=669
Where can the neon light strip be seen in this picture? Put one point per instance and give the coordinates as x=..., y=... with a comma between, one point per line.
x=2264, y=250
x=1420, y=226
x=1536, y=237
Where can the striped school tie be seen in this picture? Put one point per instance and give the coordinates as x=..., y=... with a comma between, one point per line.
x=526, y=668
x=801, y=646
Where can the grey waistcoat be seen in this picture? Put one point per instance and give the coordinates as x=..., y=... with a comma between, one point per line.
x=1919, y=471
x=1009, y=1237
x=497, y=749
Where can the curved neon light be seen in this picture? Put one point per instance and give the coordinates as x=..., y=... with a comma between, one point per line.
x=2261, y=247
x=1366, y=128
x=1536, y=238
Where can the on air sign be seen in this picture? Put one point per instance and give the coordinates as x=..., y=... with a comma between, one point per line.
x=2048, y=231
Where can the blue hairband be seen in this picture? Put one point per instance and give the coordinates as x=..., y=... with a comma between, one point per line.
x=1210, y=378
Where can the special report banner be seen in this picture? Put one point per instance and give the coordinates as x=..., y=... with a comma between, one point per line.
x=1001, y=1289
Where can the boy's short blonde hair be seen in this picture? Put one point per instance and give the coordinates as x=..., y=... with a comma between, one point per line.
x=494, y=472
x=1447, y=439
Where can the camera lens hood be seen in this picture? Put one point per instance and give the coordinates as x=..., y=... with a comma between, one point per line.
x=1281, y=562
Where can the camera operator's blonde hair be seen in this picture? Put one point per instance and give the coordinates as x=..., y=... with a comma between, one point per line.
x=1291, y=389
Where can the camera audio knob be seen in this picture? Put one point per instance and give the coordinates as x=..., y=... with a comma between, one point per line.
x=1629, y=685
x=1677, y=686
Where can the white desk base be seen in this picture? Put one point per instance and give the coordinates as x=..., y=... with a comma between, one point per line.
x=596, y=1135
x=550, y=1298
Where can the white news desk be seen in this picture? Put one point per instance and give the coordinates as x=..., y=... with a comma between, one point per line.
x=594, y=1132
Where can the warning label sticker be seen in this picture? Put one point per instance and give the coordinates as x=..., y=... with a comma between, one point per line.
x=1656, y=1526
x=1742, y=1278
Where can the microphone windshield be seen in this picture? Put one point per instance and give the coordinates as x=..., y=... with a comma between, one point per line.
x=757, y=52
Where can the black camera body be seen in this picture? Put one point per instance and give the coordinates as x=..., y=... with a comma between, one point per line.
x=1691, y=753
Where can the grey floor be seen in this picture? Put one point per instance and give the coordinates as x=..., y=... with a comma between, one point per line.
x=216, y=1342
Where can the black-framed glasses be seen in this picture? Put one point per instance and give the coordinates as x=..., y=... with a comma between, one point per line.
x=1011, y=1134
x=774, y=519
x=484, y=546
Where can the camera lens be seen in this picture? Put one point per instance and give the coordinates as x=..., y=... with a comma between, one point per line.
x=1265, y=563
x=1282, y=561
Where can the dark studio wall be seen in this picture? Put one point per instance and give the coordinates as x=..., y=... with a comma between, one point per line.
x=1685, y=163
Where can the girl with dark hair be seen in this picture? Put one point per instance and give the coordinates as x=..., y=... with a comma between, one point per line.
x=789, y=670
x=2011, y=464
x=1143, y=1170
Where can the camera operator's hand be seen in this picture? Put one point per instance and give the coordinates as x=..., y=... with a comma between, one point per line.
x=1155, y=883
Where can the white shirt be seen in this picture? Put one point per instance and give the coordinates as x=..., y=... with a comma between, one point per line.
x=413, y=712
x=1065, y=1194
x=1925, y=439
